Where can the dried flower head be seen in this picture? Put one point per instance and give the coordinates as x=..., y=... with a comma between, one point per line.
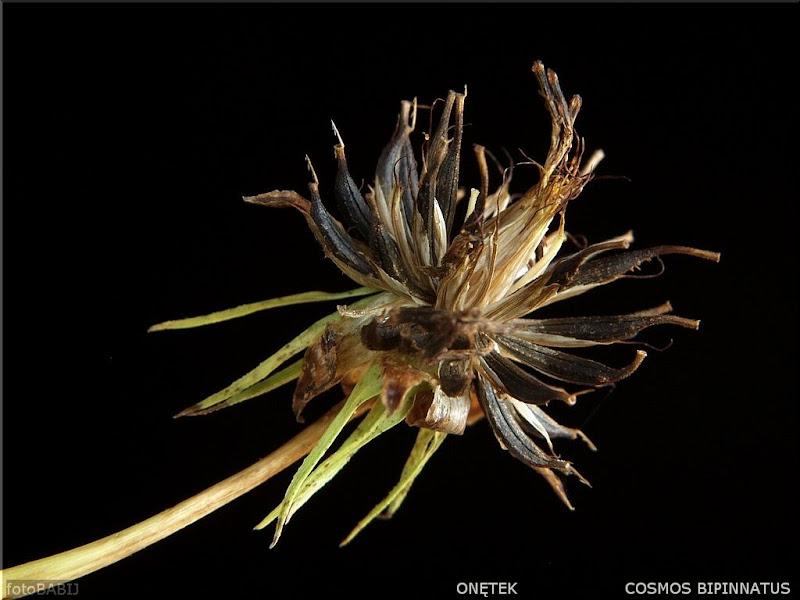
x=446, y=336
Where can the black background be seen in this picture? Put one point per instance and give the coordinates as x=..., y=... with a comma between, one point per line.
x=131, y=133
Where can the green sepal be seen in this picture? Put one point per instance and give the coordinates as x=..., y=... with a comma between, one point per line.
x=427, y=443
x=248, y=309
x=369, y=386
x=374, y=424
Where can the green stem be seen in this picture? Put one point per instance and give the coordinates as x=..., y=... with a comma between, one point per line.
x=92, y=557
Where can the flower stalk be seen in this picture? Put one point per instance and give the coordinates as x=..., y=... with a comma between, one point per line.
x=91, y=557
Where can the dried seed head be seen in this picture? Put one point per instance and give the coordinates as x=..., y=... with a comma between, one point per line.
x=451, y=335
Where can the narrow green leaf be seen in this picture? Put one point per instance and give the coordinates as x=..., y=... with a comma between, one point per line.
x=427, y=443
x=423, y=449
x=265, y=368
x=374, y=424
x=248, y=309
x=275, y=380
x=367, y=387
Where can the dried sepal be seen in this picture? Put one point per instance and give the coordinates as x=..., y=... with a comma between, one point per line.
x=437, y=411
x=573, y=332
x=397, y=166
x=397, y=380
x=516, y=382
x=335, y=240
x=557, y=485
x=348, y=197
x=386, y=252
x=319, y=372
x=562, y=365
x=435, y=202
x=456, y=375
x=605, y=270
x=510, y=432
x=543, y=424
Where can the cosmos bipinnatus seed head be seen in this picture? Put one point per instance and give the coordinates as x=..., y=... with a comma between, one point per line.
x=452, y=332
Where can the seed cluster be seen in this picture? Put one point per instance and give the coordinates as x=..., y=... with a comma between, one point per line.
x=451, y=327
